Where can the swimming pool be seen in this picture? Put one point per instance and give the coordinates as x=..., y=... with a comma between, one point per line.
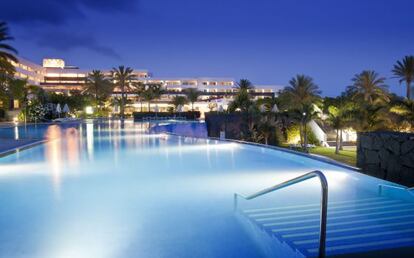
x=112, y=190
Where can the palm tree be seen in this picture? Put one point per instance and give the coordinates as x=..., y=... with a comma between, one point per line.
x=7, y=52
x=139, y=88
x=241, y=101
x=179, y=101
x=192, y=96
x=267, y=126
x=366, y=117
x=152, y=92
x=405, y=110
x=337, y=120
x=123, y=77
x=303, y=116
x=244, y=85
x=301, y=91
x=369, y=87
x=404, y=71
x=21, y=90
x=98, y=85
x=17, y=90
x=339, y=111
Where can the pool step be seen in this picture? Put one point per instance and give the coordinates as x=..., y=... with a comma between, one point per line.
x=353, y=227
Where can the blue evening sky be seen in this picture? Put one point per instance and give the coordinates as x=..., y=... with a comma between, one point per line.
x=266, y=41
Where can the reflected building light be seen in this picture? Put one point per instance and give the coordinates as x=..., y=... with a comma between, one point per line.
x=72, y=143
x=180, y=148
x=233, y=165
x=208, y=154
x=89, y=139
x=16, y=133
x=53, y=154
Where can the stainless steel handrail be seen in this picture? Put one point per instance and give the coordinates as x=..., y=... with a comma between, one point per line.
x=324, y=201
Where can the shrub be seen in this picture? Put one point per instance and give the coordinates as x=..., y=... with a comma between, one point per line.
x=35, y=111
x=293, y=135
x=2, y=114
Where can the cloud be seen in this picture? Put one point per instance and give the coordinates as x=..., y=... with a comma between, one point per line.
x=57, y=11
x=65, y=41
x=48, y=22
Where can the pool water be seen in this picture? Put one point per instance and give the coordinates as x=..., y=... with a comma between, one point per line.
x=110, y=189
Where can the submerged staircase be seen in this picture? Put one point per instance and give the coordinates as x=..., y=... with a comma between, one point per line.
x=354, y=228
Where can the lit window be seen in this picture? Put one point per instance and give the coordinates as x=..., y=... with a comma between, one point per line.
x=16, y=103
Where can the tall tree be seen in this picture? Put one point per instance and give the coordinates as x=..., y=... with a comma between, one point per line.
x=338, y=112
x=21, y=90
x=6, y=51
x=302, y=91
x=369, y=87
x=241, y=101
x=337, y=120
x=179, y=101
x=152, y=92
x=139, y=88
x=99, y=86
x=123, y=78
x=244, y=84
x=404, y=71
x=304, y=115
x=266, y=126
x=192, y=96
x=7, y=54
x=365, y=117
x=405, y=111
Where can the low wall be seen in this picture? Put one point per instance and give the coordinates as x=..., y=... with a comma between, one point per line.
x=190, y=115
x=234, y=124
x=387, y=155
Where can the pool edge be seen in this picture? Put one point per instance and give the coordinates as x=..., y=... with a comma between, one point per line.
x=306, y=155
x=22, y=148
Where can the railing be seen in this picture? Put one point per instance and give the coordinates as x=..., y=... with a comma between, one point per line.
x=324, y=201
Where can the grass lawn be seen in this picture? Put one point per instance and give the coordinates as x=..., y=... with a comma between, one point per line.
x=347, y=156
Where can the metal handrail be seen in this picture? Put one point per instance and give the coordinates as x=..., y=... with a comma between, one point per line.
x=324, y=201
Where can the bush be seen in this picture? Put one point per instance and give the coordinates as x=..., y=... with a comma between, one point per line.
x=35, y=112
x=102, y=112
x=293, y=135
x=2, y=114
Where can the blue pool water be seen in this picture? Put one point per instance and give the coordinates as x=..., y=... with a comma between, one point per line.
x=191, y=129
x=112, y=190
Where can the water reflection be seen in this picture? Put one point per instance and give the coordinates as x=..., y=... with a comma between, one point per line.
x=53, y=156
x=89, y=139
x=16, y=133
x=72, y=146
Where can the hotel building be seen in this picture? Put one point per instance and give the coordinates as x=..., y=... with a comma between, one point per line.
x=55, y=76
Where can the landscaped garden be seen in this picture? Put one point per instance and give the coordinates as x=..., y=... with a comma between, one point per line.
x=288, y=119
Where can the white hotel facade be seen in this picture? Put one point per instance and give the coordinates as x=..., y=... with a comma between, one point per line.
x=55, y=76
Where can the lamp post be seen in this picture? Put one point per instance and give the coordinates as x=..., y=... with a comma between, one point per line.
x=305, y=136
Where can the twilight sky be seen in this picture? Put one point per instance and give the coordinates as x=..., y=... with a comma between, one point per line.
x=266, y=41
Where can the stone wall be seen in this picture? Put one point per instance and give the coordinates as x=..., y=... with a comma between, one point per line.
x=387, y=155
x=234, y=124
